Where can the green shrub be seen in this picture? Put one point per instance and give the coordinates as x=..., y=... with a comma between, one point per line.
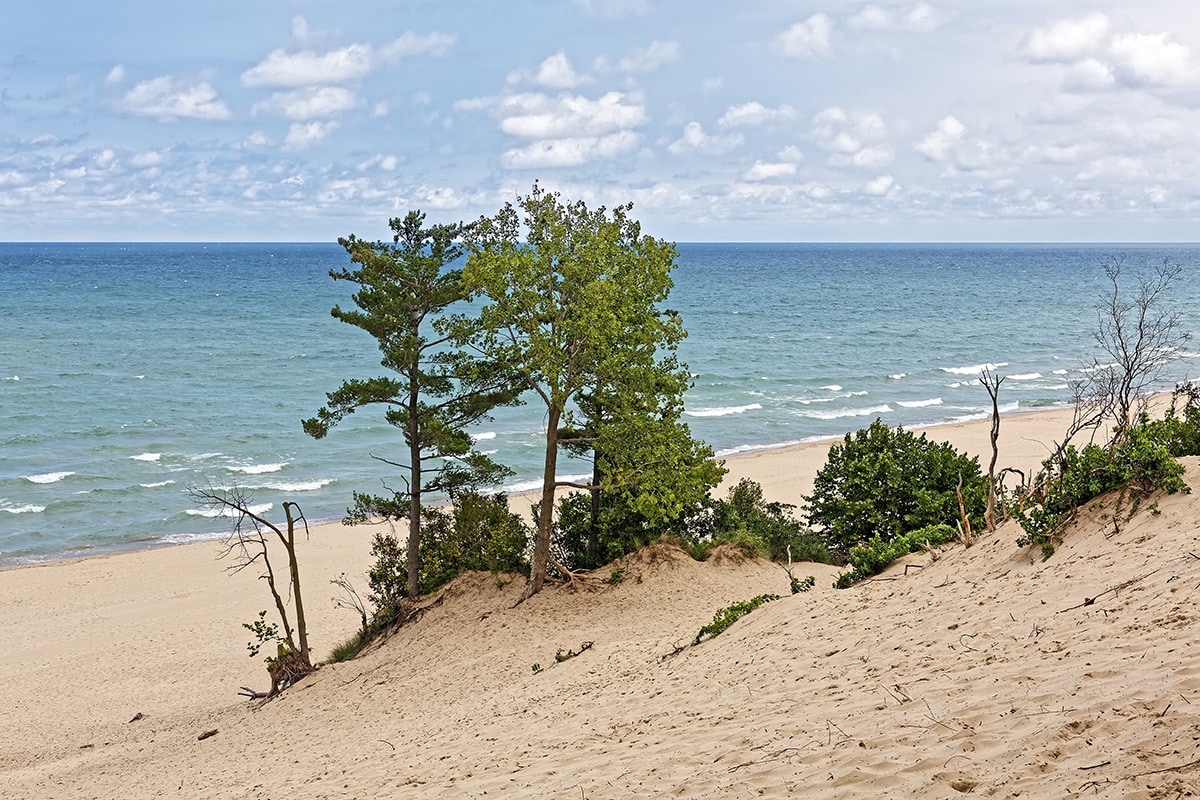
x=877, y=554
x=759, y=527
x=477, y=532
x=1139, y=463
x=881, y=483
x=727, y=616
x=803, y=585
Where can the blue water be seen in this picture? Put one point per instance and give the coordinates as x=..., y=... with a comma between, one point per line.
x=129, y=373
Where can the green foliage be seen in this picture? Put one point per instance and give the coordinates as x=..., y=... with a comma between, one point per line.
x=477, y=532
x=537, y=668
x=435, y=392
x=571, y=304
x=762, y=528
x=350, y=648
x=263, y=631
x=877, y=554
x=616, y=576
x=727, y=616
x=1140, y=462
x=567, y=655
x=803, y=585
x=881, y=483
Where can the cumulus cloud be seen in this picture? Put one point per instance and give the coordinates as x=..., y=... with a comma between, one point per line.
x=556, y=72
x=937, y=146
x=148, y=158
x=538, y=116
x=281, y=69
x=880, y=186
x=764, y=171
x=754, y=114
x=810, y=39
x=302, y=135
x=571, y=151
x=694, y=139
x=310, y=103
x=1097, y=58
x=920, y=18
x=1068, y=40
x=116, y=75
x=167, y=100
x=433, y=44
x=651, y=58
x=852, y=139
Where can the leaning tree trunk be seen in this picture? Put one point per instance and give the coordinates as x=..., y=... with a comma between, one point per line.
x=541, y=546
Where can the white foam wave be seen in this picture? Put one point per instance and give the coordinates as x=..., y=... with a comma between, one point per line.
x=155, y=485
x=1028, y=376
x=49, y=477
x=935, y=401
x=257, y=469
x=723, y=411
x=848, y=412
x=15, y=378
x=223, y=511
x=483, y=437
x=973, y=370
x=530, y=486
x=833, y=387
x=857, y=394
x=29, y=509
x=300, y=486
x=147, y=457
x=1060, y=372
x=899, y=376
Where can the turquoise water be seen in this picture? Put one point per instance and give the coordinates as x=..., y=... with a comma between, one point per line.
x=129, y=373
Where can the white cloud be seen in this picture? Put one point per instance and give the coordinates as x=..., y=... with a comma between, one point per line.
x=311, y=103
x=387, y=163
x=879, y=186
x=306, y=68
x=556, y=72
x=116, y=75
x=809, y=39
x=937, y=145
x=650, y=58
x=920, y=18
x=148, y=158
x=852, y=139
x=433, y=44
x=1068, y=40
x=538, y=116
x=256, y=141
x=762, y=171
x=570, y=152
x=614, y=8
x=302, y=135
x=1097, y=59
x=1152, y=59
x=694, y=139
x=754, y=114
x=167, y=100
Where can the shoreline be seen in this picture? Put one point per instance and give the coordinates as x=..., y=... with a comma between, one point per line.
x=768, y=459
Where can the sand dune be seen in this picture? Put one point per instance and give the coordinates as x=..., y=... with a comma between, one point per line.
x=982, y=672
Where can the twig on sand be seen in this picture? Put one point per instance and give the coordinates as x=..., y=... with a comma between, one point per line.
x=1113, y=590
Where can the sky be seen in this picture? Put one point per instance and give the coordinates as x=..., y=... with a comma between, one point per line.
x=761, y=120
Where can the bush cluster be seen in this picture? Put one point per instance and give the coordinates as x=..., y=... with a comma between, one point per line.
x=882, y=483
x=874, y=556
x=731, y=614
x=477, y=532
x=1139, y=462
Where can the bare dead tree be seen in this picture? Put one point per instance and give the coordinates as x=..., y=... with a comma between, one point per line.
x=1138, y=336
x=351, y=600
x=991, y=382
x=247, y=544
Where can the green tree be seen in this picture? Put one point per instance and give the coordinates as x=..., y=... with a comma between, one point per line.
x=883, y=482
x=438, y=390
x=572, y=304
x=648, y=471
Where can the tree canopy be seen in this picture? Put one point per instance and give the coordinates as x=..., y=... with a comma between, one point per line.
x=436, y=390
x=572, y=305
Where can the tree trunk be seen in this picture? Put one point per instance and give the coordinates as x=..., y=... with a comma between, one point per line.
x=414, y=502
x=593, y=542
x=541, y=547
x=294, y=568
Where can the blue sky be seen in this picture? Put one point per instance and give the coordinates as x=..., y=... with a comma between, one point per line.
x=271, y=120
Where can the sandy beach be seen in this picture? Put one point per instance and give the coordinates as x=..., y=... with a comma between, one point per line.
x=983, y=671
